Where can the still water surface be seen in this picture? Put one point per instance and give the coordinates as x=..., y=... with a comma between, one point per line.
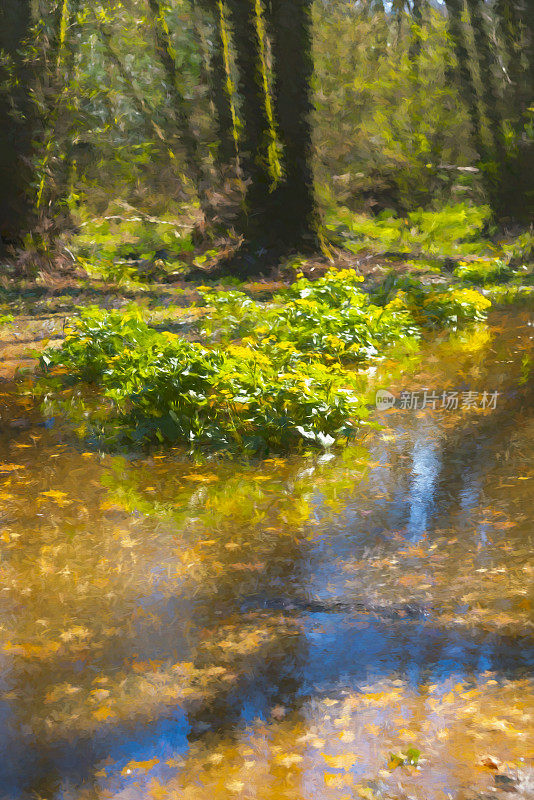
x=278, y=630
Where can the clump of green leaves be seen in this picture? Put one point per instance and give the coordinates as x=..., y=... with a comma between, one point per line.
x=272, y=378
x=410, y=758
x=327, y=319
x=162, y=387
x=433, y=306
x=452, y=230
x=483, y=271
x=112, y=246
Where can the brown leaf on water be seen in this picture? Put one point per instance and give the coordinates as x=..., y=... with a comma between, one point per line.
x=104, y=713
x=139, y=766
x=491, y=762
x=344, y=761
x=278, y=712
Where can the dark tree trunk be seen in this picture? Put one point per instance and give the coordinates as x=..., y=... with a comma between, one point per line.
x=516, y=23
x=256, y=126
x=467, y=85
x=486, y=62
x=165, y=52
x=415, y=44
x=294, y=210
x=527, y=17
x=64, y=121
x=16, y=128
x=218, y=83
x=511, y=39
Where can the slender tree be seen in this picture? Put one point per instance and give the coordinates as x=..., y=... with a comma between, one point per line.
x=466, y=82
x=167, y=56
x=16, y=122
x=415, y=45
x=294, y=205
x=489, y=95
x=219, y=80
x=61, y=123
x=510, y=35
x=256, y=119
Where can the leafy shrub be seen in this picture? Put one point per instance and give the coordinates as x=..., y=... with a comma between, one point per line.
x=166, y=388
x=511, y=293
x=96, y=338
x=109, y=245
x=273, y=385
x=329, y=318
x=449, y=231
x=444, y=308
x=445, y=230
x=231, y=314
x=483, y=271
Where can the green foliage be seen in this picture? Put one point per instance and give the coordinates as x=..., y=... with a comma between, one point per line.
x=112, y=246
x=450, y=308
x=274, y=383
x=508, y=294
x=483, y=271
x=390, y=133
x=165, y=388
x=521, y=249
x=452, y=230
x=410, y=758
x=330, y=318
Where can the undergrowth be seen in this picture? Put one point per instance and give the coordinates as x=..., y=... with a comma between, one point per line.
x=163, y=387
x=267, y=377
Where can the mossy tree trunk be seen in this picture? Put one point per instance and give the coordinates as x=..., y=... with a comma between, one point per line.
x=189, y=140
x=16, y=124
x=256, y=133
x=219, y=83
x=294, y=210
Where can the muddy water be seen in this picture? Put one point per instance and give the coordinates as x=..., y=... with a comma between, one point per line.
x=291, y=629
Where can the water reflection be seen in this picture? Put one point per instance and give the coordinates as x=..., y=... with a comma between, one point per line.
x=274, y=630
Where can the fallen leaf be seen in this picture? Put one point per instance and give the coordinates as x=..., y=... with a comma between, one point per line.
x=54, y=494
x=491, y=762
x=139, y=766
x=343, y=761
x=103, y=713
x=278, y=712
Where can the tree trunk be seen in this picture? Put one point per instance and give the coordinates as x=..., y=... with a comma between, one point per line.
x=16, y=124
x=165, y=52
x=62, y=124
x=219, y=84
x=467, y=85
x=256, y=125
x=516, y=23
x=415, y=45
x=486, y=62
x=508, y=28
x=294, y=211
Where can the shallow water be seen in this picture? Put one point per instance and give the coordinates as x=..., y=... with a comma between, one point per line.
x=278, y=630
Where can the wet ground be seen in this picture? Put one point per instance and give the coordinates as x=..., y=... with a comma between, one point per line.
x=332, y=626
